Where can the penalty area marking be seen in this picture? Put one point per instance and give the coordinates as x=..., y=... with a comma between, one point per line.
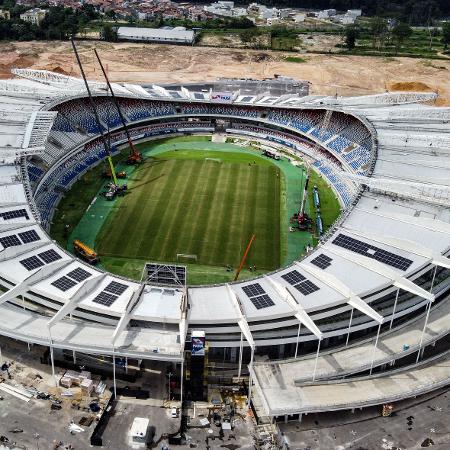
x=217, y=160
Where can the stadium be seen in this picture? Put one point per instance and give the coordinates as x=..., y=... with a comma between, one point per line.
x=335, y=329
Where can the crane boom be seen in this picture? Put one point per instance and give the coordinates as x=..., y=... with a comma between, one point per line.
x=133, y=151
x=244, y=257
x=97, y=119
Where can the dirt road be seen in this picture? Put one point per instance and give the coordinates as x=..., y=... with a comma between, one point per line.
x=329, y=74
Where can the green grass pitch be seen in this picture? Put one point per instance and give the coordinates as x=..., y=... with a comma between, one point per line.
x=198, y=202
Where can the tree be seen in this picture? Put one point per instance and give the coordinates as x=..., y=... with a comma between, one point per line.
x=351, y=34
x=379, y=31
x=400, y=32
x=446, y=34
x=109, y=33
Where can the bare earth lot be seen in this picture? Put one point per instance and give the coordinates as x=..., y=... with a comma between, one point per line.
x=346, y=75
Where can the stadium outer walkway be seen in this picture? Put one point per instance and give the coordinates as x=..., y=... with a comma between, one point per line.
x=292, y=378
x=363, y=392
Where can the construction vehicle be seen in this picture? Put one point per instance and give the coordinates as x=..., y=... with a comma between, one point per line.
x=114, y=190
x=107, y=174
x=85, y=252
x=302, y=221
x=134, y=157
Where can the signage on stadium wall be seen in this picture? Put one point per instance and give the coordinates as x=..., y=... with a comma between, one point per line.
x=198, y=343
x=226, y=97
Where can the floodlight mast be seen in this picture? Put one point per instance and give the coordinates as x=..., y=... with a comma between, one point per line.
x=134, y=154
x=97, y=119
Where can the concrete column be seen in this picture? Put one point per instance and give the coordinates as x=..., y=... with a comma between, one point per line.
x=395, y=307
x=74, y=356
x=423, y=331
x=298, y=337
x=349, y=327
x=114, y=374
x=300, y=416
x=241, y=348
x=317, y=357
x=250, y=377
x=285, y=418
x=375, y=348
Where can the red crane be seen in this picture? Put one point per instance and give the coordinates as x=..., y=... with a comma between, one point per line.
x=134, y=157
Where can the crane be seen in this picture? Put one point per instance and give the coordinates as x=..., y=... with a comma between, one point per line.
x=134, y=157
x=97, y=119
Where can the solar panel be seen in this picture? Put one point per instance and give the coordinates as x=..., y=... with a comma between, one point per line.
x=306, y=287
x=8, y=215
x=262, y=301
x=49, y=256
x=29, y=236
x=322, y=261
x=10, y=241
x=379, y=254
x=31, y=263
x=252, y=290
x=79, y=274
x=258, y=296
x=293, y=277
x=116, y=288
x=104, y=298
x=64, y=283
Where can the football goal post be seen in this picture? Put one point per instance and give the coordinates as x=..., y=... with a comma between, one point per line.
x=186, y=257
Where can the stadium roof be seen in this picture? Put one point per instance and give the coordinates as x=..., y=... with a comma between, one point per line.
x=402, y=225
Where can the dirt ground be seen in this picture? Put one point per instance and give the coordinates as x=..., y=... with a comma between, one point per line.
x=139, y=63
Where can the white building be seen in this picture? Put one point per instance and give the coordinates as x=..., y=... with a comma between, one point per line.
x=177, y=35
x=35, y=15
x=354, y=13
x=326, y=13
x=225, y=9
x=299, y=18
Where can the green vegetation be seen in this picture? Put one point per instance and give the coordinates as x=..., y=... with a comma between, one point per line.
x=329, y=204
x=295, y=59
x=73, y=206
x=193, y=205
x=378, y=37
x=205, y=203
x=59, y=23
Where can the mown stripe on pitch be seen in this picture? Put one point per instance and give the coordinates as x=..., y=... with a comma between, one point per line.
x=174, y=209
x=200, y=210
x=181, y=227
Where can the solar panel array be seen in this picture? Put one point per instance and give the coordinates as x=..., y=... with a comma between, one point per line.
x=64, y=283
x=322, y=261
x=8, y=215
x=110, y=293
x=79, y=274
x=10, y=241
x=71, y=279
x=40, y=260
x=25, y=237
x=31, y=263
x=116, y=288
x=49, y=256
x=299, y=282
x=29, y=236
x=258, y=296
x=105, y=298
x=379, y=254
